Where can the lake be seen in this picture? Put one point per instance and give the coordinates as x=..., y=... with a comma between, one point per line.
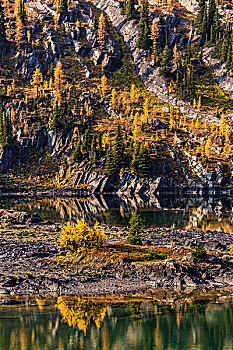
x=89, y=324
x=190, y=212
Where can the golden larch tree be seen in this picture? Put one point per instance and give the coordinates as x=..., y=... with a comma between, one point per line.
x=102, y=31
x=37, y=80
x=58, y=80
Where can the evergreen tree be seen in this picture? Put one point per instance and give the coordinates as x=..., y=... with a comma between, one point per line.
x=86, y=141
x=110, y=166
x=63, y=9
x=144, y=162
x=22, y=12
x=224, y=51
x=2, y=25
x=129, y=9
x=200, y=15
x=144, y=41
x=211, y=14
x=134, y=163
x=77, y=154
x=229, y=58
x=216, y=27
x=166, y=64
x=55, y=117
x=118, y=147
x=204, y=28
x=134, y=231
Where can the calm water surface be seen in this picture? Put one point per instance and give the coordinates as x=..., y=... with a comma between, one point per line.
x=205, y=214
x=81, y=323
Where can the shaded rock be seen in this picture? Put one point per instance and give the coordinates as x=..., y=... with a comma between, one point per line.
x=111, y=64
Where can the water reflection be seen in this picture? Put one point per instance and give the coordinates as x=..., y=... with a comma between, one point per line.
x=82, y=323
x=206, y=214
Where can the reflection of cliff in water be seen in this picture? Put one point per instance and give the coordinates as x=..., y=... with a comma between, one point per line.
x=139, y=325
x=205, y=214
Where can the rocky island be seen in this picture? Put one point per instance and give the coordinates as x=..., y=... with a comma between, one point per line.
x=33, y=262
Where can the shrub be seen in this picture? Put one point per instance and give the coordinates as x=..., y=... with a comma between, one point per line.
x=198, y=253
x=80, y=236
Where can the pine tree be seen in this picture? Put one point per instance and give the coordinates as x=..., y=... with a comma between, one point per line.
x=63, y=9
x=129, y=9
x=144, y=41
x=86, y=142
x=134, y=163
x=77, y=154
x=211, y=14
x=55, y=117
x=110, y=166
x=166, y=65
x=144, y=162
x=200, y=15
x=2, y=26
x=229, y=58
x=118, y=147
x=224, y=51
x=204, y=28
x=134, y=231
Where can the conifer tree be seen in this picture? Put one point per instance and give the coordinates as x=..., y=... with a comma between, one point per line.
x=37, y=80
x=55, y=117
x=166, y=64
x=77, y=154
x=154, y=37
x=118, y=147
x=129, y=9
x=86, y=141
x=102, y=31
x=63, y=8
x=110, y=166
x=134, y=163
x=134, y=231
x=204, y=28
x=144, y=162
x=200, y=15
x=2, y=26
x=58, y=80
x=144, y=41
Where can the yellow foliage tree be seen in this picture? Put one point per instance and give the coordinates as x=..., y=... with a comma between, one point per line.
x=58, y=80
x=104, y=86
x=80, y=236
x=102, y=31
x=208, y=147
x=37, y=80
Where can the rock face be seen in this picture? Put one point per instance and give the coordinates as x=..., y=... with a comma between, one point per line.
x=145, y=68
x=190, y=5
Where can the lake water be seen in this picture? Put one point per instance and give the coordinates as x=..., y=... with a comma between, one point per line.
x=200, y=213
x=88, y=324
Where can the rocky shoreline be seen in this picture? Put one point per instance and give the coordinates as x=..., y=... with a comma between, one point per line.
x=31, y=262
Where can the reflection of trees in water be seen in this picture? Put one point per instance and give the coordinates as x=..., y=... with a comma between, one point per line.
x=116, y=211
x=85, y=323
x=78, y=312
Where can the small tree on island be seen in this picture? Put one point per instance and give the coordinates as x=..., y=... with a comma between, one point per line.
x=78, y=237
x=134, y=230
